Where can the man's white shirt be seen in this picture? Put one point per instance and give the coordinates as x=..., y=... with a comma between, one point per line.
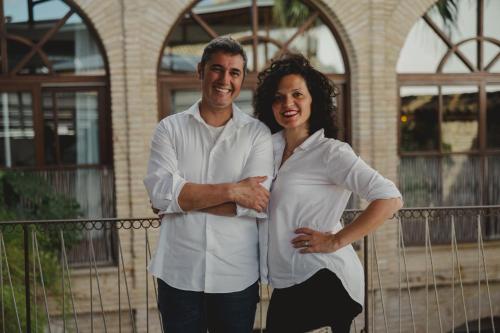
x=199, y=251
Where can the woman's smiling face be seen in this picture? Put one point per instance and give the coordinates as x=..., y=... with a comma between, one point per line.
x=292, y=102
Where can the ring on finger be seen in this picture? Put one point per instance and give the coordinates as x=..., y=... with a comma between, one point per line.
x=306, y=243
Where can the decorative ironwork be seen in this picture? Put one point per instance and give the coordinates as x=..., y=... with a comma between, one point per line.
x=374, y=252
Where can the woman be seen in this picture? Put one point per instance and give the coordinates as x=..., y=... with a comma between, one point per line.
x=310, y=258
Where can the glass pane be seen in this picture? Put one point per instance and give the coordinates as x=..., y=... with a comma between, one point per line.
x=493, y=224
x=461, y=177
x=187, y=40
x=49, y=129
x=92, y=187
x=490, y=52
x=265, y=51
x=73, y=50
x=15, y=11
x=320, y=46
x=491, y=22
x=440, y=181
x=184, y=99
x=17, y=51
x=244, y=101
x=210, y=4
x=464, y=23
x=419, y=118
x=34, y=66
x=17, y=136
x=78, y=127
x=75, y=134
x=493, y=180
x=493, y=116
x=87, y=127
x=459, y=125
x=420, y=181
x=422, y=50
x=496, y=67
x=66, y=127
x=455, y=65
x=50, y=10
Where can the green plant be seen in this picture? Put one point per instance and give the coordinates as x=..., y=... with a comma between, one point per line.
x=290, y=13
x=26, y=196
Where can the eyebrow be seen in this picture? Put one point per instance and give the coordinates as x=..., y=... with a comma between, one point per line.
x=293, y=90
x=233, y=69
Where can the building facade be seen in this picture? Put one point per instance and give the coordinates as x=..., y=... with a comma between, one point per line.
x=84, y=82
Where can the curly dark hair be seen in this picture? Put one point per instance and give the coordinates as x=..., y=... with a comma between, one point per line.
x=322, y=90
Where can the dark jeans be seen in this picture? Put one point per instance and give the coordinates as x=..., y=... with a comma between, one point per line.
x=185, y=311
x=317, y=302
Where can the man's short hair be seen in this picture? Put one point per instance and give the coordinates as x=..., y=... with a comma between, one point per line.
x=225, y=45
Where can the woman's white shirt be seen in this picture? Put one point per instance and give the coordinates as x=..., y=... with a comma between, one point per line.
x=311, y=189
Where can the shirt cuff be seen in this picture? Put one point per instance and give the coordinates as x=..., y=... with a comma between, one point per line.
x=247, y=212
x=177, y=185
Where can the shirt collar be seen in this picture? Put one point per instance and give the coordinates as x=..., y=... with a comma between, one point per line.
x=239, y=117
x=310, y=142
x=313, y=139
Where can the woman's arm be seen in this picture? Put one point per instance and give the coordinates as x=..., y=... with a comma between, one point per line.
x=310, y=241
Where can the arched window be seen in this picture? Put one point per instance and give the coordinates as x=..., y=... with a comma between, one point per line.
x=265, y=29
x=449, y=120
x=54, y=100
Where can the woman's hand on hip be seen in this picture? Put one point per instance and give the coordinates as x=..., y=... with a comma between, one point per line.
x=313, y=241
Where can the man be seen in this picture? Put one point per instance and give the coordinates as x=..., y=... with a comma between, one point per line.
x=209, y=173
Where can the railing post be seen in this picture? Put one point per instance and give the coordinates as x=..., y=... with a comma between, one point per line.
x=27, y=277
x=365, y=260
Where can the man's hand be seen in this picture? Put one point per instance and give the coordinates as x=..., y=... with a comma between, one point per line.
x=249, y=193
x=156, y=210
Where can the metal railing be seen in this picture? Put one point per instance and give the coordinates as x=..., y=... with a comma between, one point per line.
x=409, y=288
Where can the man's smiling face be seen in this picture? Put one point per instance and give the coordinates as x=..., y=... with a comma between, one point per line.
x=222, y=77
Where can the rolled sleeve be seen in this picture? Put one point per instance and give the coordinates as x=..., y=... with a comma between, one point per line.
x=354, y=174
x=163, y=189
x=163, y=181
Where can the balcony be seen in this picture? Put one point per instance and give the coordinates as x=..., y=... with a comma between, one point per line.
x=427, y=270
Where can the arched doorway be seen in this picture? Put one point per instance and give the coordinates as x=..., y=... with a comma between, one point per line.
x=265, y=30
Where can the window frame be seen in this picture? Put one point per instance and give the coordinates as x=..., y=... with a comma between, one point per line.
x=478, y=77
x=39, y=83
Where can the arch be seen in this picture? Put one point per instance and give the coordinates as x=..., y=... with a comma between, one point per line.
x=263, y=39
x=51, y=34
x=405, y=15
